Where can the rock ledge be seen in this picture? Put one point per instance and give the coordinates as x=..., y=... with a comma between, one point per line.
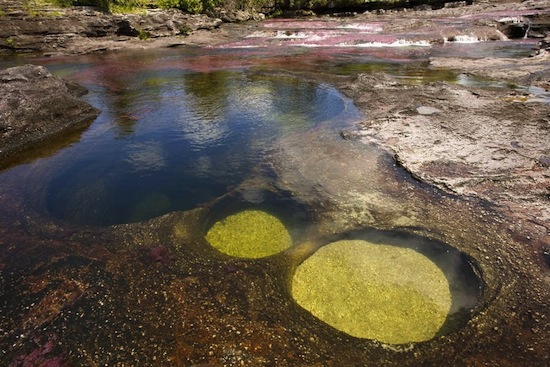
x=35, y=106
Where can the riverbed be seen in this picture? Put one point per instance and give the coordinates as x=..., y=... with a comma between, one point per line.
x=104, y=253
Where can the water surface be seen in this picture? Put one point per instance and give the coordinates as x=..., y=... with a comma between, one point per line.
x=170, y=137
x=180, y=129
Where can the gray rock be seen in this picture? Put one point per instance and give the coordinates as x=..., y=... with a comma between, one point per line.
x=36, y=106
x=427, y=110
x=84, y=30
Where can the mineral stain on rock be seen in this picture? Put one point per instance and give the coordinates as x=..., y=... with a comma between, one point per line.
x=249, y=234
x=392, y=294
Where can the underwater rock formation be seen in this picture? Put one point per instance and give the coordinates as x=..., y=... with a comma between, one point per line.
x=392, y=294
x=249, y=234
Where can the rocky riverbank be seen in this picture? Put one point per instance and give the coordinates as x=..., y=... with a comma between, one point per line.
x=41, y=28
x=489, y=143
x=50, y=30
x=476, y=176
x=35, y=107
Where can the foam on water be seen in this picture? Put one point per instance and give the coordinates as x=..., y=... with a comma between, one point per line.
x=463, y=39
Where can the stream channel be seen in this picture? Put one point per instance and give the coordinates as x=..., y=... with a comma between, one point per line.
x=108, y=263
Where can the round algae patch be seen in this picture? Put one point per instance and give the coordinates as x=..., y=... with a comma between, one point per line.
x=388, y=293
x=249, y=234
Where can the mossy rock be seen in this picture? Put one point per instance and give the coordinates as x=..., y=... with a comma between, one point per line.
x=392, y=294
x=249, y=234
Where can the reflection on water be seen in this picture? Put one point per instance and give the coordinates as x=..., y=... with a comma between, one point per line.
x=170, y=139
x=180, y=128
x=146, y=156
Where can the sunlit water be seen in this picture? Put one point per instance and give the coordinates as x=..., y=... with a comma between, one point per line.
x=180, y=128
x=170, y=138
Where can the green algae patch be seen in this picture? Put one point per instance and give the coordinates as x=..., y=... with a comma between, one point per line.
x=392, y=294
x=249, y=234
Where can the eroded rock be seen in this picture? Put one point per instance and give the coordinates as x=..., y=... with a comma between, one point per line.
x=35, y=106
x=249, y=234
x=486, y=143
x=80, y=30
x=392, y=294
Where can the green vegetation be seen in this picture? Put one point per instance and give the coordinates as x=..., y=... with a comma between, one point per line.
x=11, y=42
x=206, y=6
x=185, y=30
x=143, y=35
x=102, y=4
x=128, y=6
x=249, y=234
x=29, y=9
x=191, y=6
x=392, y=294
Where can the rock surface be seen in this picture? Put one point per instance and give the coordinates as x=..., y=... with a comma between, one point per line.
x=39, y=27
x=492, y=144
x=487, y=149
x=79, y=30
x=36, y=106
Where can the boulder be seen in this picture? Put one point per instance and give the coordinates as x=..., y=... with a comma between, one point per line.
x=165, y=23
x=36, y=106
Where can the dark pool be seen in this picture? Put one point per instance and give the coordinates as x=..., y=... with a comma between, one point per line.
x=175, y=131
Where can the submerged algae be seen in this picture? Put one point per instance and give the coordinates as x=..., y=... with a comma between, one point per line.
x=388, y=293
x=249, y=234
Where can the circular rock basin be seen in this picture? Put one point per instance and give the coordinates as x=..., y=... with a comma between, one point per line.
x=389, y=293
x=249, y=234
x=253, y=223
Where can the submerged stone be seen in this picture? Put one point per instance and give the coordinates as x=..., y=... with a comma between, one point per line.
x=392, y=294
x=249, y=234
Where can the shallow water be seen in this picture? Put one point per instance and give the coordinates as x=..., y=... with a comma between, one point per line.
x=170, y=138
x=179, y=130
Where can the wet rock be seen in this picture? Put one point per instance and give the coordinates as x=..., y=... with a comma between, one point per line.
x=43, y=355
x=514, y=27
x=542, y=47
x=511, y=69
x=36, y=106
x=159, y=253
x=539, y=25
x=477, y=148
x=349, y=135
x=546, y=255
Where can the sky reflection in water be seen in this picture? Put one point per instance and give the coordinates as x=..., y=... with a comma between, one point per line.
x=179, y=127
x=170, y=138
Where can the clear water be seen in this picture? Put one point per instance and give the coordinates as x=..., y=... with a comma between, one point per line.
x=180, y=128
x=170, y=137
